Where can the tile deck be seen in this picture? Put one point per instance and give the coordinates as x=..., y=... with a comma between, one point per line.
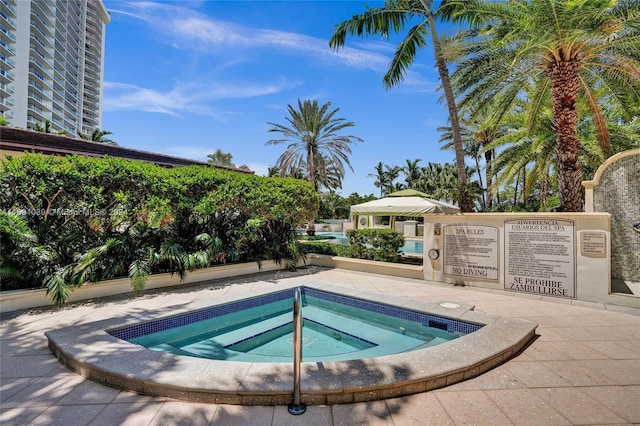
x=584, y=367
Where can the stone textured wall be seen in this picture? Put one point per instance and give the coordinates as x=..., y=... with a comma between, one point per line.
x=619, y=194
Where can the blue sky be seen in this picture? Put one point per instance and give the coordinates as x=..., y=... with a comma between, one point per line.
x=184, y=78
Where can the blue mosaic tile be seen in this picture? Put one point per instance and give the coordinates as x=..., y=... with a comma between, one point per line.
x=426, y=320
x=162, y=324
x=446, y=324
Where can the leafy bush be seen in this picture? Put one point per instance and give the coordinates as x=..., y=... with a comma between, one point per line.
x=371, y=244
x=315, y=237
x=375, y=244
x=319, y=247
x=71, y=220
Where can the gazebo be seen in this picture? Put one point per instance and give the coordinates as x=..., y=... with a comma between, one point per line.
x=408, y=202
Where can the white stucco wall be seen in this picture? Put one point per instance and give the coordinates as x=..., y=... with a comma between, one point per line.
x=591, y=272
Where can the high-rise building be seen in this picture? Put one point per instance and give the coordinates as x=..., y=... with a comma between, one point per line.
x=51, y=64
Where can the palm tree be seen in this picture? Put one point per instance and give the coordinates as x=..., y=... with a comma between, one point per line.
x=220, y=158
x=477, y=133
x=98, y=136
x=392, y=17
x=43, y=129
x=566, y=48
x=440, y=181
x=380, y=178
x=385, y=177
x=314, y=142
x=412, y=172
x=333, y=205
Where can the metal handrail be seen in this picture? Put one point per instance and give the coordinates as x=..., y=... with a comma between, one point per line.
x=297, y=407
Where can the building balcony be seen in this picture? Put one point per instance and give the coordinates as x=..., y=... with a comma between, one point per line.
x=71, y=58
x=91, y=68
x=90, y=64
x=6, y=102
x=90, y=93
x=89, y=113
x=39, y=89
x=36, y=116
x=71, y=102
x=41, y=70
x=6, y=89
x=39, y=54
x=61, y=31
x=6, y=76
x=9, y=62
x=44, y=7
x=47, y=24
x=44, y=32
x=6, y=48
x=7, y=35
x=37, y=9
x=94, y=37
x=7, y=7
x=35, y=109
x=48, y=48
x=38, y=100
x=7, y=20
x=91, y=79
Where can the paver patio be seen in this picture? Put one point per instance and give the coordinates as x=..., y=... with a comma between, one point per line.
x=583, y=368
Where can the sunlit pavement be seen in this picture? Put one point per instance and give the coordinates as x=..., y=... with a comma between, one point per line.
x=584, y=367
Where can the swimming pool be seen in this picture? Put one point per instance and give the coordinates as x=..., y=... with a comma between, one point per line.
x=90, y=350
x=336, y=328
x=411, y=246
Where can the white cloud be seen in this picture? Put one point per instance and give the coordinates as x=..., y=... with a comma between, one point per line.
x=185, y=97
x=190, y=30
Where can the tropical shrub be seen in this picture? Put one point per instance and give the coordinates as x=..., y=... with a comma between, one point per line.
x=323, y=247
x=370, y=244
x=375, y=244
x=71, y=220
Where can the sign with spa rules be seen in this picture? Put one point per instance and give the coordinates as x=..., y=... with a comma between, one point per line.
x=471, y=251
x=540, y=257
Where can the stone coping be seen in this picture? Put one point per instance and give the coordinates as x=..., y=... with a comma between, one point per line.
x=89, y=350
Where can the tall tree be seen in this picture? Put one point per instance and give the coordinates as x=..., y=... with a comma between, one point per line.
x=98, y=136
x=412, y=172
x=333, y=206
x=221, y=158
x=565, y=47
x=380, y=177
x=314, y=142
x=385, y=176
x=43, y=129
x=477, y=133
x=393, y=17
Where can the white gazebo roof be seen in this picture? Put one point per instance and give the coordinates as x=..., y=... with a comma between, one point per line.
x=403, y=203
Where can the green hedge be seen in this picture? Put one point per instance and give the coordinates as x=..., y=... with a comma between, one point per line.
x=70, y=220
x=371, y=244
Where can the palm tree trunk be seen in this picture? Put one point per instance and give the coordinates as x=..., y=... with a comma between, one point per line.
x=563, y=74
x=488, y=158
x=515, y=191
x=544, y=187
x=466, y=204
x=311, y=165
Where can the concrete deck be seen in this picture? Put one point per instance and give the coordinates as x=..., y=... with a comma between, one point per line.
x=584, y=368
